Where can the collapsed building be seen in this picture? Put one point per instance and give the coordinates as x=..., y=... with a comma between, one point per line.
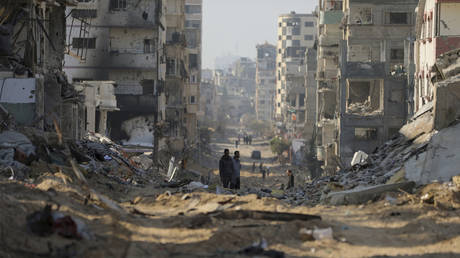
x=296, y=33
x=34, y=90
x=364, y=101
x=265, y=81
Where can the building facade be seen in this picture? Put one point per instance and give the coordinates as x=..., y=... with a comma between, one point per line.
x=122, y=41
x=193, y=36
x=437, y=33
x=296, y=33
x=265, y=81
x=373, y=73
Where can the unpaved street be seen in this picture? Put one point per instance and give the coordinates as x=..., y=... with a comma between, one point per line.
x=174, y=222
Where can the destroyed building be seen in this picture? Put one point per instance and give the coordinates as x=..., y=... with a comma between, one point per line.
x=296, y=33
x=370, y=103
x=265, y=81
x=437, y=33
x=244, y=69
x=123, y=42
x=193, y=35
x=34, y=89
x=310, y=93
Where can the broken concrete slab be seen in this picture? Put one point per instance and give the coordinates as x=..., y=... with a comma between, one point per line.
x=447, y=102
x=363, y=195
x=422, y=125
x=439, y=162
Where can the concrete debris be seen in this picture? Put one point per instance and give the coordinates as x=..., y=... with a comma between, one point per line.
x=360, y=158
x=196, y=185
x=46, y=222
x=316, y=234
x=365, y=194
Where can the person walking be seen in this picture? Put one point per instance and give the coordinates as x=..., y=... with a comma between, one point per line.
x=237, y=142
x=262, y=170
x=253, y=167
x=290, y=180
x=226, y=169
x=268, y=171
x=236, y=171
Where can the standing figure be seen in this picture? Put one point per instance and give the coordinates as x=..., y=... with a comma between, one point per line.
x=253, y=167
x=291, y=179
x=226, y=169
x=262, y=170
x=268, y=171
x=236, y=144
x=235, y=184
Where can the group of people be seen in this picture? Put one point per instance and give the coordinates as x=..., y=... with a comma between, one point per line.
x=229, y=170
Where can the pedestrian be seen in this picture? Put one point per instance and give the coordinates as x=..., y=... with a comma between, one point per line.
x=250, y=140
x=236, y=171
x=262, y=170
x=268, y=171
x=236, y=144
x=226, y=169
x=291, y=179
x=253, y=167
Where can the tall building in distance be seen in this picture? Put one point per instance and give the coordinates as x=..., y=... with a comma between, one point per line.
x=265, y=81
x=193, y=36
x=296, y=33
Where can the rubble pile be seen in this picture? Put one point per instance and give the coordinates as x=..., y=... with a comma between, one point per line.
x=21, y=154
x=362, y=108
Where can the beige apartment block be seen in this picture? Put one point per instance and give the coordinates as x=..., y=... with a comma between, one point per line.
x=265, y=81
x=296, y=33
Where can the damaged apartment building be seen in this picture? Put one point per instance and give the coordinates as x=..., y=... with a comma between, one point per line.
x=33, y=88
x=364, y=102
x=121, y=41
x=296, y=33
x=265, y=81
x=437, y=33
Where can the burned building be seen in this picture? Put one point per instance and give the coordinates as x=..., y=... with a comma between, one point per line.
x=437, y=33
x=296, y=33
x=373, y=79
x=265, y=81
x=122, y=41
x=34, y=90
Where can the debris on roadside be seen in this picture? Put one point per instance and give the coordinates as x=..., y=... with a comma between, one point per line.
x=46, y=222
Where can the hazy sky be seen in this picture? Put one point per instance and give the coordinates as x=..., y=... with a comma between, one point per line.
x=237, y=26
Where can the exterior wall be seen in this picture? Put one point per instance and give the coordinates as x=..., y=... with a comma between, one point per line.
x=310, y=93
x=265, y=81
x=373, y=53
x=330, y=34
x=296, y=33
x=125, y=49
x=437, y=33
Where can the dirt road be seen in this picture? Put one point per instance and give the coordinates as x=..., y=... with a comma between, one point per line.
x=173, y=222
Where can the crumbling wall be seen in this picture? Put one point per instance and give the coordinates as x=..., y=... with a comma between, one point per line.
x=447, y=102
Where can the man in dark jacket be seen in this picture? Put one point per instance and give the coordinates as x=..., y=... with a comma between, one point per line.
x=291, y=179
x=226, y=169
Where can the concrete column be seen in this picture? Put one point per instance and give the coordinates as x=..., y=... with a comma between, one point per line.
x=103, y=122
